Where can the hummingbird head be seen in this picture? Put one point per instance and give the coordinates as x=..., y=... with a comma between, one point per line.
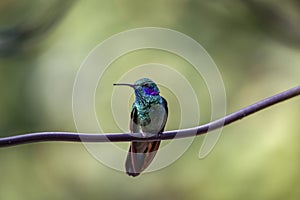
x=143, y=88
x=146, y=87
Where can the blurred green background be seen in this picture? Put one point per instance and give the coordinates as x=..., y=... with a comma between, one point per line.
x=256, y=46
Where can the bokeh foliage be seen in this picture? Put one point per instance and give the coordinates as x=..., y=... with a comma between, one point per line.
x=255, y=44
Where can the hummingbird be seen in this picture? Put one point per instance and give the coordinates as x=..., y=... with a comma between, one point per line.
x=148, y=116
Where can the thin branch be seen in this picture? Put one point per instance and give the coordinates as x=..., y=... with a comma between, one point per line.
x=125, y=137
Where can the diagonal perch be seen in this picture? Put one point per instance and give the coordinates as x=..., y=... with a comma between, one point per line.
x=167, y=135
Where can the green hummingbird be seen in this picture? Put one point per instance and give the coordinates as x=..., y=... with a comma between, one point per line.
x=148, y=116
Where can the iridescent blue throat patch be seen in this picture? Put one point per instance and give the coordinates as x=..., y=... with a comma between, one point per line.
x=151, y=91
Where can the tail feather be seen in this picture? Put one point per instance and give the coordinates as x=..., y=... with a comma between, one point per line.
x=139, y=156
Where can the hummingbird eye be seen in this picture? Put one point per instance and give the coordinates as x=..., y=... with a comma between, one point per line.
x=145, y=85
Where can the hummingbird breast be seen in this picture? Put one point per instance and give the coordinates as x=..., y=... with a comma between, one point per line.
x=151, y=120
x=158, y=117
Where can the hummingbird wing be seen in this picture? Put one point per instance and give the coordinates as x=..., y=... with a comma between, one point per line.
x=141, y=154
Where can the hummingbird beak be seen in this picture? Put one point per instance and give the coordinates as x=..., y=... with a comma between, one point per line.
x=132, y=86
x=124, y=84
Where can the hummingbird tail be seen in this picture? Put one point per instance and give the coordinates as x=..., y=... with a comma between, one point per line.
x=139, y=156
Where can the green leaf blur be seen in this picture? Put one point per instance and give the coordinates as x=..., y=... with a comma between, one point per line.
x=256, y=46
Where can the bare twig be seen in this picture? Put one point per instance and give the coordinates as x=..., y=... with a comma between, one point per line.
x=125, y=137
